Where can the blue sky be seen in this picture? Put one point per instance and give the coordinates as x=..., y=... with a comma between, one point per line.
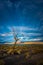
x=25, y=16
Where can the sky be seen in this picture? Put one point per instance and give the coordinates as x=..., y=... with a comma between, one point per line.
x=24, y=16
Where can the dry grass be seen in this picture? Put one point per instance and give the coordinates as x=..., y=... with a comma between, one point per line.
x=28, y=50
x=33, y=42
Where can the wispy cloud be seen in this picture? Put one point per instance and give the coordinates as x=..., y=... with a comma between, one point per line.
x=17, y=4
x=21, y=28
x=30, y=39
x=35, y=39
x=21, y=34
x=6, y=34
x=23, y=38
x=31, y=34
x=9, y=3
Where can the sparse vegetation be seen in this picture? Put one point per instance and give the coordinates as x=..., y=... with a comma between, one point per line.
x=25, y=51
x=2, y=62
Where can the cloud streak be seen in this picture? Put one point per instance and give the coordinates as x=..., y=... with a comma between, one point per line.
x=20, y=33
x=35, y=39
x=24, y=28
x=30, y=39
x=23, y=36
x=6, y=34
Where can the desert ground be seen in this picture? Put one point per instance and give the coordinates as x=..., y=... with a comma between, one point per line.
x=25, y=53
x=25, y=43
x=33, y=42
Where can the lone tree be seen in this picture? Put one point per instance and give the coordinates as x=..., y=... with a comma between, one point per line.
x=15, y=36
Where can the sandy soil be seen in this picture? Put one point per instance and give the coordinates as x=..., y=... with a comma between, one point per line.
x=33, y=42
x=26, y=43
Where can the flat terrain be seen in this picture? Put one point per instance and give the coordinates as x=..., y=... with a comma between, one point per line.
x=26, y=43
x=28, y=53
x=33, y=42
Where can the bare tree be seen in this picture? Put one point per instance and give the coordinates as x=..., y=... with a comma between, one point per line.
x=15, y=36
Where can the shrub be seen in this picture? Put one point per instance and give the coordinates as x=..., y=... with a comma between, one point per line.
x=2, y=62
